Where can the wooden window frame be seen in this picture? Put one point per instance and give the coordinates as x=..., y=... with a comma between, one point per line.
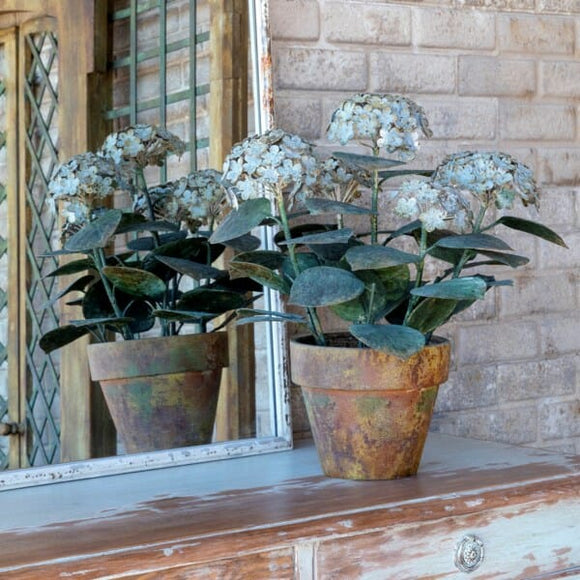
x=82, y=91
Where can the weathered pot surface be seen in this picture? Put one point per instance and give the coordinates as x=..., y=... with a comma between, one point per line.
x=161, y=392
x=369, y=411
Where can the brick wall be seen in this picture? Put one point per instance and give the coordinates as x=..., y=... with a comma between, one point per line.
x=491, y=74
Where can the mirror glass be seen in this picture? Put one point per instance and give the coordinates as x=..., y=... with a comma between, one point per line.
x=262, y=423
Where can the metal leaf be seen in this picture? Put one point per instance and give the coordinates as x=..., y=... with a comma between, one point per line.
x=473, y=242
x=135, y=281
x=96, y=234
x=261, y=274
x=73, y=267
x=268, y=258
x=400, y=341
x=367, y=162
x=317, y=206
x=245, y=243
x=431, y=313
x=148, y=243
x=468, y=288
x=531, y=227
x=61, y=336
x=250, y=316
x=243, y=220
x=375, y=257
x=192, y=269
x=211, y=300
x=341, y=236
x=324, y=286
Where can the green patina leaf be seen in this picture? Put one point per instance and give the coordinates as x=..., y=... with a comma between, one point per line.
x=324, y=286
x=531, y=227
x=400, y=341
x=243, y=220
x=61, y=336
x=317, y=206
x=376, y=257
x=367, y=162
x=251, y=316
x=260, y=274
x=96, y=234
x=192, y=269
x=467, y=288
x=341, y=236
x=73, y=267
x=473, y=242
x=431, y=313
x=135, y=281
x=211, y=300
x=267, y=258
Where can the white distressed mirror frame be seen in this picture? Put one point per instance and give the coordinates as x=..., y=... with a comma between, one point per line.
x=276, y=338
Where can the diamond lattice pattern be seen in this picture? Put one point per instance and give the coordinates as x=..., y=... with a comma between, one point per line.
x=41, y=97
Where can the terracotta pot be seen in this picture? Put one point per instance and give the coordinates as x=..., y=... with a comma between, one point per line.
x=369, y=411
x=161, y=392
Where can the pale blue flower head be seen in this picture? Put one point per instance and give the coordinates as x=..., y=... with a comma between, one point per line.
x=390, y=122
x=141, y=145
x=493, y=178
x=435, y=207
x=270, y=163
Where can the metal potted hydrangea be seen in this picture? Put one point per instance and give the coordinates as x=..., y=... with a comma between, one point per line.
x=145, y=275
x=370, y=389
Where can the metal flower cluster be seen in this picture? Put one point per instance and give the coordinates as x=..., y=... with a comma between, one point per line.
x=376, y=284
x=165, y=273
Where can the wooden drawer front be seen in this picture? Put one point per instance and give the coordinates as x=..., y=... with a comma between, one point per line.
x=271, y=565
x=521, y=542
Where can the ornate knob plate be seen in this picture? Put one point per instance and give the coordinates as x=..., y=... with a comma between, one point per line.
x=469, y=553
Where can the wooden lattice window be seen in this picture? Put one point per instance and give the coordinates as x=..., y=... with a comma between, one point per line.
x=56, y=414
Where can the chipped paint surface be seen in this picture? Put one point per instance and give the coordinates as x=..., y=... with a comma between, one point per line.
x=278, y=515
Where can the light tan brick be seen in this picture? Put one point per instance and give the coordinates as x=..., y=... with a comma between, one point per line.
x=513, y=425
x=454, y=29
x=496, y=341
x=473, y=119
x=468, y=388
x=534, y=293
x=558, y=6
x=300, y=116
x=558, y=208
x=537, y=122
x=559, y=166
x=560, y=78
x=294, y=19
x=496, y=77
x=496, y=4
x=537, y=379
x=367, y=24
x=555, y=257
x=560, y=334
x=304, y=68
x=559, y=420
x=411, y=73
x=536, y=35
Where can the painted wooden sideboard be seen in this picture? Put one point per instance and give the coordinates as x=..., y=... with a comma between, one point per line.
x=476, y=510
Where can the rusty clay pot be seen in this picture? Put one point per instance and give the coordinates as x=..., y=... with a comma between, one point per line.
x=369, y=411
x=161, y=392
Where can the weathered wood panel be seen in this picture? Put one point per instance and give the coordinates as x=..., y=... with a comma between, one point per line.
x=524, y=504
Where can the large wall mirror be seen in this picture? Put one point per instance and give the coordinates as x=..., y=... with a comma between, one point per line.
x=168, y=63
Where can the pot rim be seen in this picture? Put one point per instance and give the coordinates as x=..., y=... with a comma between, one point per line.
x=158, y=355
x=308, y=340
x=350, y=368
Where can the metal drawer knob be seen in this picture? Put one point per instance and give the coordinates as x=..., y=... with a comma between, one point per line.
x=469, y=553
